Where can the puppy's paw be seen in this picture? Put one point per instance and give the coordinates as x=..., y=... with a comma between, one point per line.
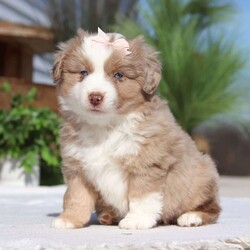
x=61, y=223
x=190, y=219
x=107, y=218
x=133, y=221
x=66, y=222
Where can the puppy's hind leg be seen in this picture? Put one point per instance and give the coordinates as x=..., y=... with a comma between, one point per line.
x=204, y=214
x=79, y=202
x=106, y=215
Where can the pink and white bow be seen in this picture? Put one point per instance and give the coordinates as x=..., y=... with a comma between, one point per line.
x=101, y=40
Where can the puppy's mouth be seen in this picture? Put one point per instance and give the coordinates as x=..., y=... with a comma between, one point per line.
x=96, y=110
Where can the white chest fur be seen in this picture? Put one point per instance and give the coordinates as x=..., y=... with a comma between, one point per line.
x=100, y=151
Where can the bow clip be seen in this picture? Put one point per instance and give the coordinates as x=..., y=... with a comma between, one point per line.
x=101, y=40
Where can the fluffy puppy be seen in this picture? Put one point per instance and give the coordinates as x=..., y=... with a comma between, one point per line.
x=123, y=153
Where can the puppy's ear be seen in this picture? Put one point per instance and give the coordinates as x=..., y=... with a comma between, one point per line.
x=150, y=64
x=63, y=50
x=152, y=70
x=58, y=64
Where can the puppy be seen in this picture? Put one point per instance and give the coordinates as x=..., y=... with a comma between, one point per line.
x=123, y=153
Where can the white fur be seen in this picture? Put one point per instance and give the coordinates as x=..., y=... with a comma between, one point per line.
x=97, y=55
x=79, y=102
x=189, y=219
x=96, y=81
x=143, y=213
x=98, y=152
x=93, y=118
x=60, y=223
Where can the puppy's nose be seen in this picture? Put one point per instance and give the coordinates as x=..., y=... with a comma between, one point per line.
x=95, y=99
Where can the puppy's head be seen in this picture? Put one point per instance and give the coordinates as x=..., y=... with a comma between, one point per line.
x=103, y=76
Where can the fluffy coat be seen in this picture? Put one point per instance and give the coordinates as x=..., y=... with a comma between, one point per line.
x=125, y=156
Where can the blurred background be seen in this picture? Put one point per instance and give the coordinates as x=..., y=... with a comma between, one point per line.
x=204, y=49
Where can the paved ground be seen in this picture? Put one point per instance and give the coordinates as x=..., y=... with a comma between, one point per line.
x=26, y=213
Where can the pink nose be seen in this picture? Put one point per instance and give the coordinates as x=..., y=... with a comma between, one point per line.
x=95, y=99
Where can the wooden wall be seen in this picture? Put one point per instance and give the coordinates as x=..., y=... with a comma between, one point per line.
x=46, y=95
x=16, y=61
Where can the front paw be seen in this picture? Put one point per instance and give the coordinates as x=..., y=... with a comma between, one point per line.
x=134, y=222
x=66, y=222
x=61, y=223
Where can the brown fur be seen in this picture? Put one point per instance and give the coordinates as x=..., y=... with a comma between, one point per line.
x=168, y=160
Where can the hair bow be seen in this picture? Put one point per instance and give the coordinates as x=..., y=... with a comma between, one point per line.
x=101, y=40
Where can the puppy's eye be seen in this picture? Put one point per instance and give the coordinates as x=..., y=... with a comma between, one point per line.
x=118, y=75
x=84, y=72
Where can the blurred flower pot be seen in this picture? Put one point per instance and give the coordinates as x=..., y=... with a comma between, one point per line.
x=12, y=174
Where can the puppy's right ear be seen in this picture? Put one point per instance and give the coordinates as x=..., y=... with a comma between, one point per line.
x=58, y=64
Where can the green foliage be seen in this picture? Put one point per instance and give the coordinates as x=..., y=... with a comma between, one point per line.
x=199, y=67
x=29, y=133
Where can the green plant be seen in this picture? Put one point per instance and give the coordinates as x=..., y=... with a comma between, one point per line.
x=199, y=66
x=28, y=133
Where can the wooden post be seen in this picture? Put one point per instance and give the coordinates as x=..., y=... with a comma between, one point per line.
x=26, y=62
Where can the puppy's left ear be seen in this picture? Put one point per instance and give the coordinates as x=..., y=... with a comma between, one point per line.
x=152, y=69
x=151, y=66
x=147, y=58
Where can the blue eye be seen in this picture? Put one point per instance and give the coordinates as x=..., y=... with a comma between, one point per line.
x=84, y=72
x=118, y=75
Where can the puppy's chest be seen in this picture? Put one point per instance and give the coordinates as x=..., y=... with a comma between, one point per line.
x=101, y=153
x=103, y=147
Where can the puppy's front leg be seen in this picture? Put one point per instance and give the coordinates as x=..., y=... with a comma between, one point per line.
x=79, y=202
x=144, y=212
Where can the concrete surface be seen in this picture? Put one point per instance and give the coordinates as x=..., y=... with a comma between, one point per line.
x=26, y=213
